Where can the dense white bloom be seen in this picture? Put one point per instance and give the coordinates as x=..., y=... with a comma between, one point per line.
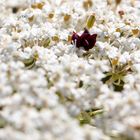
x=48, y=85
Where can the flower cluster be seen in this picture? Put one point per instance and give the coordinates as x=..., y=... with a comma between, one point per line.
x=69, y=70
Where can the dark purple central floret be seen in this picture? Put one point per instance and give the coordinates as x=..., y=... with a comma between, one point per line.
x=85, y=40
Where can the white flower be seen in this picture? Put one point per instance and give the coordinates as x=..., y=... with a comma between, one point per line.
x=135, y=57
x=112, y=52
x=117, y=34
x=124, y=58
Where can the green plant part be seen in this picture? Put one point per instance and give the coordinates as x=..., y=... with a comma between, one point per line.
x=30, y=62
x=95, y=111
x=86, y=116
x=116, y=76
x=43, y=42
x=90, y=21
x=3, y=122
x=121, y=137
x=64, y=99
x=81, y=83
x=50, y=83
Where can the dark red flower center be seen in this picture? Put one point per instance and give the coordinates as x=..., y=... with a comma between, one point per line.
x=85, y=40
